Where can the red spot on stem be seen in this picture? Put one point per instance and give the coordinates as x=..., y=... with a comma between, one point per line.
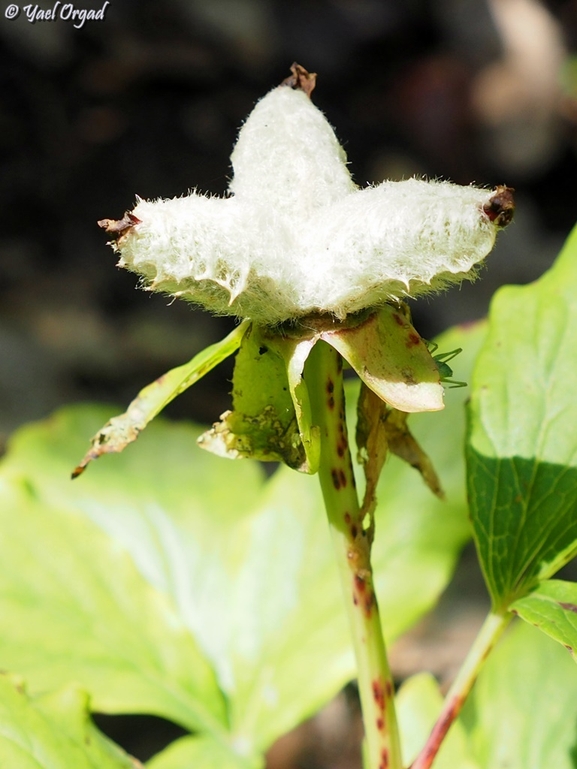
x=413, y=339
x=379, y=694
x=336, y=479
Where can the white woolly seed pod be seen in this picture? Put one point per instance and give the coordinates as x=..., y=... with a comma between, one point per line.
x=298, y=237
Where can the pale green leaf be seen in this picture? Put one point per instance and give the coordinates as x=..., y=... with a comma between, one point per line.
x=53, y=732
x=201, y=752
x=73, y=607
x=419, y=703
x=523, y=710
x=414, y=554
x=247, y=565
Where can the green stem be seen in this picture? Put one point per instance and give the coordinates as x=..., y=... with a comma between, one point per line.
x=323, y=374
x=488, y=635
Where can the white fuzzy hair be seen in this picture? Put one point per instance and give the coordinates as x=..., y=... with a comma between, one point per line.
x=298, y=236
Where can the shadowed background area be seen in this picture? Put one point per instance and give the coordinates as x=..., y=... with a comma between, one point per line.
x=149, y=102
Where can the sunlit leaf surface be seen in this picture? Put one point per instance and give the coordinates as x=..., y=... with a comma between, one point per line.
x=522, y=453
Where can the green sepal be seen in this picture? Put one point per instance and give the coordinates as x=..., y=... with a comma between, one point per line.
x=263, y=423
x=391, y=359
x=125, y=428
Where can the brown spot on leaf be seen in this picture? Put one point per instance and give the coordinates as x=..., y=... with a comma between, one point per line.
x=331, y=402
x=342, y=478
x=301, y=80
x=347, y=518
x=354, y=531
x=568, y=606
x=501, y=206
x=398, y=320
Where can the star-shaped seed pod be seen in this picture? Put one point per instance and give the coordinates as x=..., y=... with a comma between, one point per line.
x=302, y=255
x=297, y=236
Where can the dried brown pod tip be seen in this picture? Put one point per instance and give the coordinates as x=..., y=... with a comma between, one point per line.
x=301, y=80
x=119, y=227
x=501, y=206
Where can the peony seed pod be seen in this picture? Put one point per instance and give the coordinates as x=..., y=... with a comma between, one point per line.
x=297, y=236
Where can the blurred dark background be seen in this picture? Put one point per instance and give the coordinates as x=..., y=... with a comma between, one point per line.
x=149, y=102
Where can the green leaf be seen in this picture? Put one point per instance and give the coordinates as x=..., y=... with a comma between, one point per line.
x=121, y=430
x=414, y=555
x=419, y=703
x=53, y=732
x=552, y=607
x=522, y=448
x=201, y=753
x=523, y=709
x=74, y=607
x=245, y=566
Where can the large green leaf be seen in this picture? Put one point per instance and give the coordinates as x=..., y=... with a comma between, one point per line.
x=522, y=451
x=74, y=607
x=552, y=607
x=414, y=555
x=523, y=710
x=199, y=753
x=53, y=732
x=245, y=566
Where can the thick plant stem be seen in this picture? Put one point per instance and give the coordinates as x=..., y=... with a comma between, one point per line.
x=323, y=374
x=488, y=635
